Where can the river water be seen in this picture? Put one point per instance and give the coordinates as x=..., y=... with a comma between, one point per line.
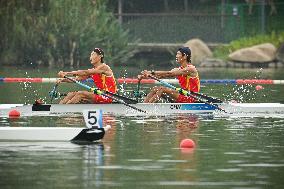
x=143, y=152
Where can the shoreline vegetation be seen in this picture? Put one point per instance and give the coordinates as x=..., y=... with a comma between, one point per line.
x=222, y=51
x=55, y=33
x=59, y=33
x=219, y=57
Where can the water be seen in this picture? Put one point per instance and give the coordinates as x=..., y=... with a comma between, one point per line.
x=143, y=152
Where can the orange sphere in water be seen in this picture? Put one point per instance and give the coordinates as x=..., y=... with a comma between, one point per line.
x=187, y=143
x=14, y=113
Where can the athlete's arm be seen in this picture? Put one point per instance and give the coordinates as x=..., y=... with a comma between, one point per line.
x=158, y=74
x=62, y=74
x=103, y=69
x=163, y=74
x=189, y=70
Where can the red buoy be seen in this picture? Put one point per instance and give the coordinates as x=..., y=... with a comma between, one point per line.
x=14, y=113
x=187, y=143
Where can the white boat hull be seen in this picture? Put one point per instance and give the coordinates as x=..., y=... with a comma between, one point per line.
x=50, y=134
x=150, y=108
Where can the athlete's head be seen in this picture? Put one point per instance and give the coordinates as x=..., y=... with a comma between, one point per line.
x=100, y=52
x=185, y=51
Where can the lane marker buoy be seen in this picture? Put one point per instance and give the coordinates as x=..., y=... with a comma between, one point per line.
x=14, y=114
x=187, y=143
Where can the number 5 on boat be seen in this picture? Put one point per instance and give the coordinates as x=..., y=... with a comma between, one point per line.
x=93, y=118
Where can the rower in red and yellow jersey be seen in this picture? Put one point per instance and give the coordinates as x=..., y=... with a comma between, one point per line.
x=104, y=83
x=102, y=76
x=186, y=74
x=188, y=83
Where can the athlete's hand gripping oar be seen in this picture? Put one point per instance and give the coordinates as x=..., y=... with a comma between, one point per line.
x=103, y=93
x=187, y=93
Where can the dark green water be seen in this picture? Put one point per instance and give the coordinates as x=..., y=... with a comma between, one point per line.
x=144, y=152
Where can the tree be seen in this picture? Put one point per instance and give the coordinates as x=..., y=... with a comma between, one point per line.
x=59, y=32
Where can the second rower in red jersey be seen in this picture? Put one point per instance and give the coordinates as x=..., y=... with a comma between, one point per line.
x=186, y=74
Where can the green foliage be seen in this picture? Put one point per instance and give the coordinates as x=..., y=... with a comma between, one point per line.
x=222, y=52
x=59, y=32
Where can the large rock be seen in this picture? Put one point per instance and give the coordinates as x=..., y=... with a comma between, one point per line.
x=199, y=51
x=280, y=53
x=260, y=53
x=213, y=62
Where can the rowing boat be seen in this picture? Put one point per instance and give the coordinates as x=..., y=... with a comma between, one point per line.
x=150, y=108
x=51, y=134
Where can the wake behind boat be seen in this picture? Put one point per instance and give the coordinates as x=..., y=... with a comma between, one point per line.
x=150, y=108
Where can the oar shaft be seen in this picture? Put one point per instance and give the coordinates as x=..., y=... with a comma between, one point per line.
x=196, y=95
x=107, y=92
x=79, y=83
x=208, y=98
x=53, y=92
x=187, y=93
x=104, y=94
x=125, y=99
x=122, y=102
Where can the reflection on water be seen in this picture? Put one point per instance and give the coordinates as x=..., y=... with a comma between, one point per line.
x=36, y=163
x=144, y=152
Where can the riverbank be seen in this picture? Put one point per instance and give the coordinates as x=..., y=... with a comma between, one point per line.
x=163, y=53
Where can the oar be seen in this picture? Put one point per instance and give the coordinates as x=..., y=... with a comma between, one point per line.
x=185, y=92
x=125, y=99
x=53, y=92
x=137, y=92
x=208, y=98
x=54, y=95
x=103, y=93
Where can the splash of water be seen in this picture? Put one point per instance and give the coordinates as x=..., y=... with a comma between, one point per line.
x=30, y=93
x=246, y=92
